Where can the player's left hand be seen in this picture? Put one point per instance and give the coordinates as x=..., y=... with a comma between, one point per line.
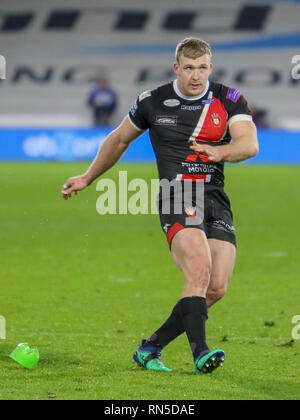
x=213, y=153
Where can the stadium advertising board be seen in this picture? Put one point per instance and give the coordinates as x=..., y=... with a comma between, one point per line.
x=82, y=144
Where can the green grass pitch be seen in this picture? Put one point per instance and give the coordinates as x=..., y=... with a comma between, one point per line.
x=85, y=289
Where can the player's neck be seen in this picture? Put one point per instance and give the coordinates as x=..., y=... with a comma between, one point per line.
x=189, y=98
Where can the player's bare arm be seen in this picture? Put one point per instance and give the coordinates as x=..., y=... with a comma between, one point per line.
x=244, y=144
x=108, y=155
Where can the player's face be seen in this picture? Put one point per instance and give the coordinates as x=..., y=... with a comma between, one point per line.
x=193, y=74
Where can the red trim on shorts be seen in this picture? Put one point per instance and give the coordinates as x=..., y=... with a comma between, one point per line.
x=172, y=232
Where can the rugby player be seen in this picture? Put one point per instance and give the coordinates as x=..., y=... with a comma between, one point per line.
x=195, y=126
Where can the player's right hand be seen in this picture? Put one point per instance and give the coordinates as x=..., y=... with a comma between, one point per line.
x=75, y=184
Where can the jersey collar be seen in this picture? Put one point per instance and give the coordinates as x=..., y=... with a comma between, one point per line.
x=189, y=98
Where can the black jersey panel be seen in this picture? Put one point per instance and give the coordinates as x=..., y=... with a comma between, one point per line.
x=175, y=121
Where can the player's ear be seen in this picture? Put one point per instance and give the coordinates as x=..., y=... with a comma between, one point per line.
x=176, y=68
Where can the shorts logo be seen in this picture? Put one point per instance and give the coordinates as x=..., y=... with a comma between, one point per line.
x=166, y=227
x=166, y=120
x=220, y=224
x=171, y=102
x=216, y=119
x=190, y=211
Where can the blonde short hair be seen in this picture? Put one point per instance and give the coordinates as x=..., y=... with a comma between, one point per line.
x=192, y=48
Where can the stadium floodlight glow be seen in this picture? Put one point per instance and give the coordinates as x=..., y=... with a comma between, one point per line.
x=296, y=69
x=2, y=328
x=2, y=68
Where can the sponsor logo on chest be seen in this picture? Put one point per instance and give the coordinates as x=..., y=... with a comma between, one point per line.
x=172, y=103
x=170, y=120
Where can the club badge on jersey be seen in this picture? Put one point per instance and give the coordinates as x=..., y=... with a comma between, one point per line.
x=216, y=119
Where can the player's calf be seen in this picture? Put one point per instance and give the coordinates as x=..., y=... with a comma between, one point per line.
x=196, y=284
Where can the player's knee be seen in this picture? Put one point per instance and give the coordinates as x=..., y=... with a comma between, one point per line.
x=214, y=294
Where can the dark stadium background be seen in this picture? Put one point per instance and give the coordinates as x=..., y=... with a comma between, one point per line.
x=56, y=52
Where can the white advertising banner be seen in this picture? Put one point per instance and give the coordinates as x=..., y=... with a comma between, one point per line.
x=53, y=60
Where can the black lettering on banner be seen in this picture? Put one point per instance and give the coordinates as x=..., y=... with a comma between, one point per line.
x=260, y=77
x=159, y=74
x=26, y=73
x=154, y=74
x=82, y=74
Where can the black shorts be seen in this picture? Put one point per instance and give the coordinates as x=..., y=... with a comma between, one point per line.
x=217, y=218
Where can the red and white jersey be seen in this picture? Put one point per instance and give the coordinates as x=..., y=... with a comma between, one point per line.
x=175, y=120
